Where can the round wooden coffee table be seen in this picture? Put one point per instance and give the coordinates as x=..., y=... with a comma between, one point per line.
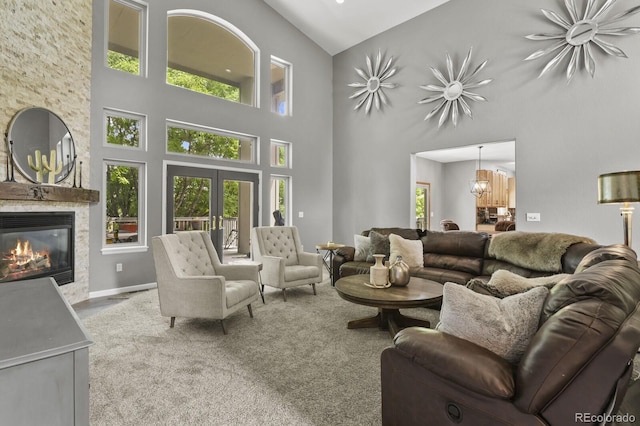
x=418, y=293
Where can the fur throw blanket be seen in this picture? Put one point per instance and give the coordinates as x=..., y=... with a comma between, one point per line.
x=539, y=251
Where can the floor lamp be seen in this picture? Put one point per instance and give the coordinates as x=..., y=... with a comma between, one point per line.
x=620, y=187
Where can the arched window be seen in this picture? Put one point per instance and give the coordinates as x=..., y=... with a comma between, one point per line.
x=209, y=55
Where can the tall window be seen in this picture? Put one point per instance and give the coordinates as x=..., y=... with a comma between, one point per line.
x=423, y=205
x=124, y=204
x=280, y=154
x=209, y=55
x=281, y=88
x=124, y=129
x=127, y=36
x=206, y=142
x=280, y=195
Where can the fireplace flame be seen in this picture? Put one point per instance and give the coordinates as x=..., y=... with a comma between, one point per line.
x=23, y=257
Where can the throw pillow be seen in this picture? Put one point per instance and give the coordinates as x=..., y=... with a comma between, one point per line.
x=363, y=248
x=379, y=244
x=410, y=250
x=503, y=326
x=505, y=283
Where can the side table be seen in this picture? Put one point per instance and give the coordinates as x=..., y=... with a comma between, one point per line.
x=327, y=259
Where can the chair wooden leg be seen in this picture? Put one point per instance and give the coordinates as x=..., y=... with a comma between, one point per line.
x=284, y=294
x=314, y=289
x=173, y=322
x=250, y=310
x=224, y=330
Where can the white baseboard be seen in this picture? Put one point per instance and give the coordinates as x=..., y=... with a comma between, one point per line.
x=120, y=290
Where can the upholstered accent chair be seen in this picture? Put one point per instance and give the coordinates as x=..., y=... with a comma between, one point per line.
x=284, y=263
x=192, y=283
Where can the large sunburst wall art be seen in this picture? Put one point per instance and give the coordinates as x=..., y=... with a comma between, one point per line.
x=370, y=91
x=454, y=93
x=580, y=33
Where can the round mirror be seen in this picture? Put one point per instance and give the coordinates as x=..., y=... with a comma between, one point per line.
x=582, y=32
x=373, y=84
x=43, y=149
x=453, y=91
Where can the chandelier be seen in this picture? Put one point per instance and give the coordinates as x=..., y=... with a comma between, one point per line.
x=478, y=186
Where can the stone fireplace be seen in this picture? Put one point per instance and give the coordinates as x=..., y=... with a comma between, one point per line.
x=37, y=244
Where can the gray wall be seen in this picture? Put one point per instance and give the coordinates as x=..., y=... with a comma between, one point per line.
x=309, y=129
x=566, y=134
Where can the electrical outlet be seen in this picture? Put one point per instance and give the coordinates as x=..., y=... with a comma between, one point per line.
x=533, y=217
x=118, y=267
x=300, y=214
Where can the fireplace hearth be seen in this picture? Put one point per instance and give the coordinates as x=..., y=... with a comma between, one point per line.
x=37, y=244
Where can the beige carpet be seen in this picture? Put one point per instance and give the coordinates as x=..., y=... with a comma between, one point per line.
x=295, y=363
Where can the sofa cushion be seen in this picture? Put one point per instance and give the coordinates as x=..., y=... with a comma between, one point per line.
x=410, y=250
x=617, y=251
x=406, y=233
x=471, y=265
x=380, y=244
x=457, y=243
x=363, y=249
x=504, y=283
x=610, y=281
x=504, y=326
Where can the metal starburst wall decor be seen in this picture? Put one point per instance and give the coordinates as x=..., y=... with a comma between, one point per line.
x=580, y=33
x=370, y=91
x=454, y=93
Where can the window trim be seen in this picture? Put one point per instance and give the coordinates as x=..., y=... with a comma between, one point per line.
x=288, y=66
x=143, y=60
x=221, y=132
x=288, y=155
x=141, y=244
x=288, y=197
x=112, y=112
x=235, y=31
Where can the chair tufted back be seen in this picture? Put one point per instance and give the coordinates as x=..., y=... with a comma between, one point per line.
x=192, y=253
x=278, y=241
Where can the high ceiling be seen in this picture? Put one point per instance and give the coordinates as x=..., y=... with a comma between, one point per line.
x=337, y=27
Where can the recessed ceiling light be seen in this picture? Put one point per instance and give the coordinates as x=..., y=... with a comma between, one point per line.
x=339, y=1
x=228, y=70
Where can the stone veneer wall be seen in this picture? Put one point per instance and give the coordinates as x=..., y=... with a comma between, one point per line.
x=45, y=61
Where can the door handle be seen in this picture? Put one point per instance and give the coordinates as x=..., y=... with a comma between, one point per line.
x=213, y=223
x=220, y=224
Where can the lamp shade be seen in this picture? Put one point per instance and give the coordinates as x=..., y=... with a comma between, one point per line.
x=619, y=187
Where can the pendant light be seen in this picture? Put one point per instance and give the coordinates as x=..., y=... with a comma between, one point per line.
x=479, y=187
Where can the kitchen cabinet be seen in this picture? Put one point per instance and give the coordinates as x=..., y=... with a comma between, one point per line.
x=498, y=197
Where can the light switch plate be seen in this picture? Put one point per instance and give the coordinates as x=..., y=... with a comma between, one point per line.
x=533, y=217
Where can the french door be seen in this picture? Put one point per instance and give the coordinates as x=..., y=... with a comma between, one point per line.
x=223, y=202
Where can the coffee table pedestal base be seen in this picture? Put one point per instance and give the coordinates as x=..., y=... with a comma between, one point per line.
x=388, y=319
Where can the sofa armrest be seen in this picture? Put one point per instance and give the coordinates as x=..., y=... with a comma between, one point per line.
x=458, y=361
x=342, y=255
x=347, y=253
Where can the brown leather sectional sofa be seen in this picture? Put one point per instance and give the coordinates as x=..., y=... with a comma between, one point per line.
x=454, y=256
x=575, y=370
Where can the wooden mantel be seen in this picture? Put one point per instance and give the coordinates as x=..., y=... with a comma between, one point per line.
x=38, y=192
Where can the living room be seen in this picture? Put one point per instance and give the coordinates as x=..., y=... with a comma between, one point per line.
x=351, y=170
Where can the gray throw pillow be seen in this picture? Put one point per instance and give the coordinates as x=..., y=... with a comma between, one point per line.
x=379, y=245
x=363, y=248
x=505, y=283
x=503, y=326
